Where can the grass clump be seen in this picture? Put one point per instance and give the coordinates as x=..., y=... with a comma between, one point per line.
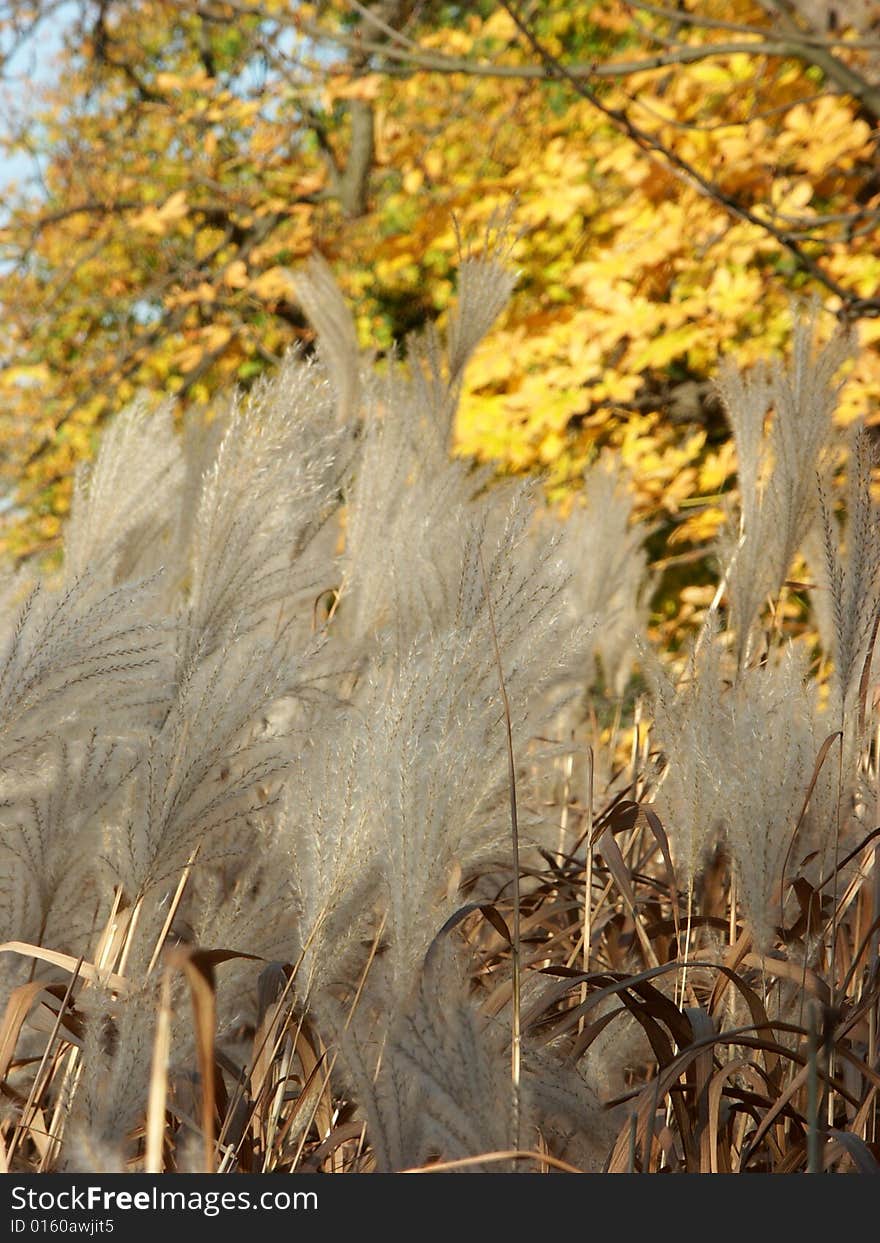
x=261, y=742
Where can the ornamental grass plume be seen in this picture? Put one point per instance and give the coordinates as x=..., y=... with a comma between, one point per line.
x=255, y=804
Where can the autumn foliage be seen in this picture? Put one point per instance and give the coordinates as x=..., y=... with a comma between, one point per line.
x=357, y=813
x=193, y=158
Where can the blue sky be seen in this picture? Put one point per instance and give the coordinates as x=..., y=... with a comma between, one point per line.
x=33, y=64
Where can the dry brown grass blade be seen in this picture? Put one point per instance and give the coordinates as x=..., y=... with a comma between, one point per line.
x=32, y=1112
x=738, y=1066
x=133, y=915
x=307, y=1105
x=197, y=967
x=865, y=678
x=371, y=958
x=868, y=1073
x=860, y=1122
x=587, y=904
x=487, y=1158
x=67, y=962
x=613, y=984
x=757, y=1009
x=275, y=974
x=157, y=1096
x=637, y=1135
x=854, y=1147
x=497, y=920
x=106, y=947
x=684, y=1119
x=670, y=1075
x=794, y=971
x=618, y=869
x=489, y=912
x=548, y=1003
x=848, y=857
x=320, y=1112
x=313, y=1060
x=656, y=826
x=656, y=1091
x=732, y=960
x=702, y=1027
x=586, y=1037
x=610, y=850
x=173, y=908
x=795, y=1085
x=18, y=1007
x=649, y=1008
x=272, y=1048
x=817, y=768
x=345, y=1133
x=36, y=1131
x=267, y=1039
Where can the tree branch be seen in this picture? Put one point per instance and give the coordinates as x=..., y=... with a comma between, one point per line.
x=699, y=21
x=353, y=183
x=852, y=306
x=832, y=66
x=793, y=47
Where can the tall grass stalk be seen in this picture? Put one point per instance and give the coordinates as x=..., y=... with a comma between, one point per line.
x=300, y=869
x=516, y=942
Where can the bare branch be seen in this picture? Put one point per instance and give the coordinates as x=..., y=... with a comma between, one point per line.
x=832, y=66
x=852, y=306
x=793, y=47
x=699, y=21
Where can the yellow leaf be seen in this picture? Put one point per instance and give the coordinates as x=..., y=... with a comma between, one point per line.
x=698, y=527
x=236, y=275
x=365, y=88
x=216, y=336
x=189, y=357
x=434, y=164
x=665, y=347
x=169, y=81
x=718, y=468
x=174, y=208
x=210, y=340
x=24, y=374
x=272, y=284
x=159, y=220
x=203, y=292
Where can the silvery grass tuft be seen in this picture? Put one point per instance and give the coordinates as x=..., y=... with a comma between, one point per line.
x=298, y=715
x=742, y=751
x=746, y=733
x=252, y=733
x=777, y=467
